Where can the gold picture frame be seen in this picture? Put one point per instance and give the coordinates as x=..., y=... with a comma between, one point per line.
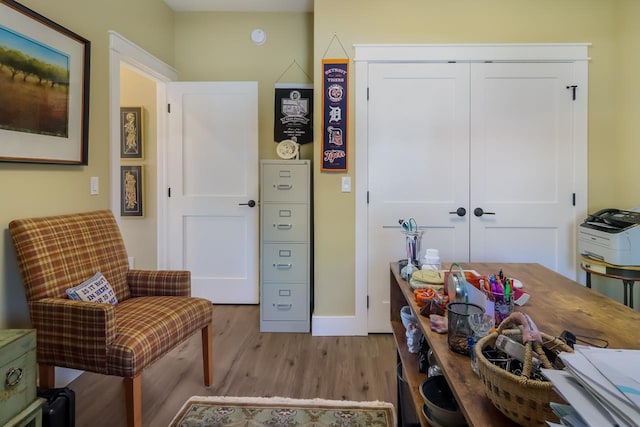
x=132, y=191
x=49, y=74
x=131, y=132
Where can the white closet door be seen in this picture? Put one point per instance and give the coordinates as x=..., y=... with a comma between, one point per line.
x=418, y=148
x=522, y=167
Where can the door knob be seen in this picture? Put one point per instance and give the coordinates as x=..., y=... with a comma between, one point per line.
x=460, y=212
x=250, y=203
x=479, y=212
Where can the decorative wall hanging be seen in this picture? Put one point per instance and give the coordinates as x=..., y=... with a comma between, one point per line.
x=335, y=78
x=44, y=89
x=293, y=112
x=293, y=109
x=131, y=132
x=131, y=191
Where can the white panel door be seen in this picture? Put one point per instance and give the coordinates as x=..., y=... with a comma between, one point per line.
x=213, y=168
x=490, y=136
x=418, y=167
x=522, y=169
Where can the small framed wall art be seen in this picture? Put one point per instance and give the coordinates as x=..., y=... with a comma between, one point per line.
x=131, y=191
x=131, y=135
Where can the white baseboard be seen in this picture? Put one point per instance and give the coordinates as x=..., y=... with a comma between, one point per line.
x=337, y=326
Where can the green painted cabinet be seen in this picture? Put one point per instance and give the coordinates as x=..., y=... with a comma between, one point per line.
x=19, y=404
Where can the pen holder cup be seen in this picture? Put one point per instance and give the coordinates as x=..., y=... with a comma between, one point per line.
x=501, y=305
x=459, y=329
x=413, y=242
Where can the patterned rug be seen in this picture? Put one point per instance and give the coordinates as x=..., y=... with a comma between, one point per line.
x=214, y=411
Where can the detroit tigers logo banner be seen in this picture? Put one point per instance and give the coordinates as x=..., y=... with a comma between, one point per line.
x=335, y=75
x=293, y=112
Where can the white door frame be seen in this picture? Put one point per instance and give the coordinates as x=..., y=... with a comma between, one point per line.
x=127, y=53
x=366, y=54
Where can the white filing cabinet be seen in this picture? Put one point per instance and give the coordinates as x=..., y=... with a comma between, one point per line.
x=285, y=243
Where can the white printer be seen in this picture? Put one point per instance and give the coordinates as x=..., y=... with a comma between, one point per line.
x=611, y=236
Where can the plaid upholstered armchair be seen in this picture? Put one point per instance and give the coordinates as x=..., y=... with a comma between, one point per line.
x=154, y=311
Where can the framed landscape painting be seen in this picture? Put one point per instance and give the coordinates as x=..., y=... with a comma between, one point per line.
x=44, y=89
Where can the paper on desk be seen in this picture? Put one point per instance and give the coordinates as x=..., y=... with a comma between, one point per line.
x=475, y=296
x=620, y=367
x=588, y=409
x=567, y=415
x=609, y=398
x=600, y=387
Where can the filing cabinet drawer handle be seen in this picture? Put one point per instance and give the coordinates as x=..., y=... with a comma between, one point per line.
x=14, y=375
x=282, y=307
x=285, y=186
x=285, y=226
x=284, y=266
x=284, y=292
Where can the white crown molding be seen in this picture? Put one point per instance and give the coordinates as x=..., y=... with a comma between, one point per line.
x=241, y=5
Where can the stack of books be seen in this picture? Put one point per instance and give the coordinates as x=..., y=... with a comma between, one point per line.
x=601, y=387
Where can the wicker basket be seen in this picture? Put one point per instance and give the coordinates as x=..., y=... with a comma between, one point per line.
x=520, y=398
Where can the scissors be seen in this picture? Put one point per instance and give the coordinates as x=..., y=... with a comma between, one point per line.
x=408, y=225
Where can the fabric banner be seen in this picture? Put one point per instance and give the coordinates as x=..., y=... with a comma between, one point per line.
x=293, y=115
x=335, y=75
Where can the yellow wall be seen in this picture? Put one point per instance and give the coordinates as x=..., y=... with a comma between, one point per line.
x=623, y=143
x=33, y=190
x=216, y=46
x=464, y=21
x=140, y=234
x=627, y=91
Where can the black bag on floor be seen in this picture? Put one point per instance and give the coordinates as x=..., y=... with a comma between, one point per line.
x=60, y=408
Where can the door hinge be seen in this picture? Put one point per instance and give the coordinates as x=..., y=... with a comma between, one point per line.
x=574, y=199
x=367, y=302
x=367, y=94
x=367, y=197
x=169, y=108
x=169, y=192
x=573, y=88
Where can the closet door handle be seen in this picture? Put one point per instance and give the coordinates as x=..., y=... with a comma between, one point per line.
x=250, y=203
x=460, y=212
x=479, y=212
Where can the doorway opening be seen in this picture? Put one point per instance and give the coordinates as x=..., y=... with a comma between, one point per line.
x=126, y=54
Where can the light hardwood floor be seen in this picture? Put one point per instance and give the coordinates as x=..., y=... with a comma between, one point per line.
x=247, y=363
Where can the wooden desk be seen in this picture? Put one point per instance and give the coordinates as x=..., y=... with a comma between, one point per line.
x=628, y=274
x=556, y=304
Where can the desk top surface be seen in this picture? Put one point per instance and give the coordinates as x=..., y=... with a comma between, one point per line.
x=556, y=304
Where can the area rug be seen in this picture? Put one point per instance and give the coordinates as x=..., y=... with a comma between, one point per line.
x=215, y=411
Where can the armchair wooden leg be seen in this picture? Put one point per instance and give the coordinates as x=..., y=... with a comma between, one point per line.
x=207, y=354
x=133, y=396
x=47, y=375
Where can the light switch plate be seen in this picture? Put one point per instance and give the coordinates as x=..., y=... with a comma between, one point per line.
x=95, y=186
x=346, y=184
